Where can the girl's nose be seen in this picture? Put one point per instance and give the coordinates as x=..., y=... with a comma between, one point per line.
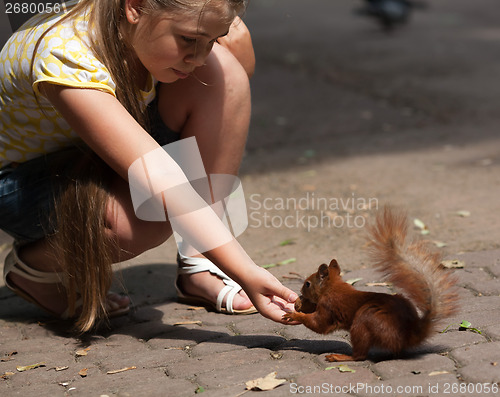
x=198, y=57
x=195, y=59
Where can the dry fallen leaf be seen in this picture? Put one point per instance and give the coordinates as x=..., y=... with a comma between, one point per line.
x=82, y=352
x=453, y=264
x=434, y=373
x=117, y=371
x=421, y=225
x=378, y=284
x=188, y=322
x=28, y=367
x=9, y=356
x=83, y=372
x=6, y=375
x=353, y=281
x=269, y=382
x=463, y=213
x=62, y=368
x=341, y=368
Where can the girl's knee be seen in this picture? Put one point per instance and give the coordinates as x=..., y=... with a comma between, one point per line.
x=132, y=234
x=220, y=83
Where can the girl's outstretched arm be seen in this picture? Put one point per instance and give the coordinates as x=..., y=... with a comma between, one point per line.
x=108, y=129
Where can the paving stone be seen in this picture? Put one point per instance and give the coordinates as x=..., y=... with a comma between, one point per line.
x=447, y=341
x=146, y=330
x=411, y=386
x=301, y=332
x=294, y=363
x=333, y=381
x=148, y=359
x=483, y=352
x=133, y=383
x=188, y=335
x=256, y=324
x=488, y=258
x=18, y=309
x=140, y=280
x=480, y=280
x=481, y=311
x=31, y=390
x=237, y=342
x=237, y=375
x=420, y=365
x=228, y=391
x=495, y=268
x=482, y=372
x=493, y=331
x=318, y=346
x=216, y=361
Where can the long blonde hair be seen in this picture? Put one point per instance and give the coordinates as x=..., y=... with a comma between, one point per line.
x=80, y=241
x=106, y=20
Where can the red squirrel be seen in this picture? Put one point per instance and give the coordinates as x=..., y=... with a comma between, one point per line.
x=392, y=322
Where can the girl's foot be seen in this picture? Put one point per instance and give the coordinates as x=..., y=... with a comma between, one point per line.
x=199, y=281
x=38, y=282
x=208, y=286
x=52, y=297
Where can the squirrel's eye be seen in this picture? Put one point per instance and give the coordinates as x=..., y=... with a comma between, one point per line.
x=307, y=284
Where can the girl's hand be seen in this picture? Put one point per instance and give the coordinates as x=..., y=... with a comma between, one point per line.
x=272, y=299
x=239, y=42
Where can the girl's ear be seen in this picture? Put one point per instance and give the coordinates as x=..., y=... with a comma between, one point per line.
x=133, y=10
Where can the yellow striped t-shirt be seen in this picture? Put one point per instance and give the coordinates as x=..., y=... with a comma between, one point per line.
x=30, y=128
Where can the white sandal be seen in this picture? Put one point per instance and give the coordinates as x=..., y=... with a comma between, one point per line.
x=13, y=264
x=192, y=265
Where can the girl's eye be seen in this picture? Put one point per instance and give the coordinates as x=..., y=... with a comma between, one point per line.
x=189, y=40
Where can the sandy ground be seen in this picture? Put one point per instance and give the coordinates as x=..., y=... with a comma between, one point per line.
x=348, y=119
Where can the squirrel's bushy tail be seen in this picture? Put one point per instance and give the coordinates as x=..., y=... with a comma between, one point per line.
x=413, y=267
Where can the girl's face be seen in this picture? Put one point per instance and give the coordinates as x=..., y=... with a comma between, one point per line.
x=172, y=45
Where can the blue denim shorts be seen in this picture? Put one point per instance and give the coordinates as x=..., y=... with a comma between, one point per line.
x=28, y=190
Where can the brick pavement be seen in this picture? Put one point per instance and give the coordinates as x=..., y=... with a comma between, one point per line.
x=219, y=354
x=223, y=352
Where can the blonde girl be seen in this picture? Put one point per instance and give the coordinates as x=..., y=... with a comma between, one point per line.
x=86, y=94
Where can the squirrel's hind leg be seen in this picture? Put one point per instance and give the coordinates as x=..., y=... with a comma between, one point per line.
x=338, y=357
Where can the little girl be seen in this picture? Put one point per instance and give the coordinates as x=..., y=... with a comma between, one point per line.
x=84, y=96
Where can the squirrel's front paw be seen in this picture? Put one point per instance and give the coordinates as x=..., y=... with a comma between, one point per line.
x=289, y=317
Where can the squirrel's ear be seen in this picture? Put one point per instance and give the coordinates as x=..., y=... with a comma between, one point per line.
x=323, y=271
x=334, y=266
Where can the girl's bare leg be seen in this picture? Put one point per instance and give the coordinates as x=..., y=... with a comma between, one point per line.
x=133, y=236
x=217, y=113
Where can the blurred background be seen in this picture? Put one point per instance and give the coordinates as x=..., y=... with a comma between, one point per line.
x=345, y=108
x=351, y=113
x=336, y=81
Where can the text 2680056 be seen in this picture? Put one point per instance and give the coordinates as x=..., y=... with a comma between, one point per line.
x=33, y=8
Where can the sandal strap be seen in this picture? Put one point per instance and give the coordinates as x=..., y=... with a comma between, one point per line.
x=192, y=265
x=230, y=291
x=15, y=265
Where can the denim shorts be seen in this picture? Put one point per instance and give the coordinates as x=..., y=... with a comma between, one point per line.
x=28, y=190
